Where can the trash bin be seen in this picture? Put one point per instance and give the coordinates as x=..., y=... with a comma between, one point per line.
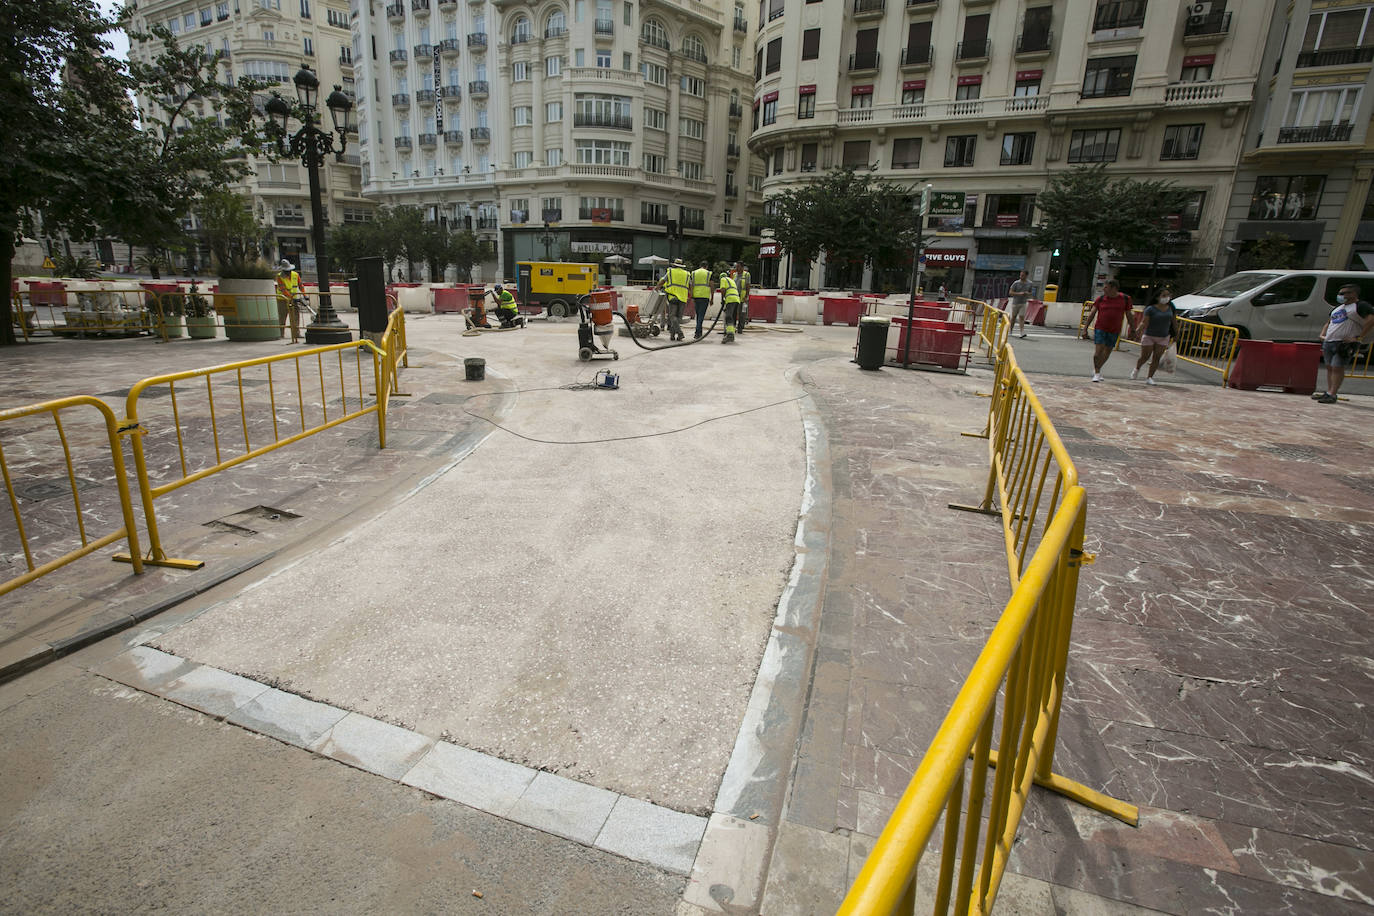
x=1051, y=292
x=872, y=347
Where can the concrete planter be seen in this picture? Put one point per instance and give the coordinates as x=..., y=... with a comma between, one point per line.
x=249, y=309
x=201, y=328
x=174, y=325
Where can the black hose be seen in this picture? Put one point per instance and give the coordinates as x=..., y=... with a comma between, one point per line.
x=681, y=343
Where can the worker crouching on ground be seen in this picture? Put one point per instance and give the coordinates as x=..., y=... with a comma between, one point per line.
x=729, y=295
x=506, y=310
x=701, y=295
x=288, y=291
x=675, y=285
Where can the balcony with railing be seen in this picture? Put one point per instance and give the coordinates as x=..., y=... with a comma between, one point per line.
x=453, y=137
x=1330, y=133
x=555, y=31
x=426, y=96
x=419, y=6
x=424, y=52
x=617, y=216
x=651, y=218
x=400, y=100
x=399, y=56
x=692, y=222
x=865, y=61
x=601, y=119
x=732, y=151
x=396, y=11
x=917, y=57
x=429, y=139
x=869, y=9
x=478, y=89
x=448, y=46
x=452, y=93
x=521, y=36
x=486, y=222
x=655, y=41
x=741, y=25
x=477, y=41
x=1206, y=29
x=448, y=4
x=1336, y=57
x=1033, y=44
x=921, y=6
x=403, y=143
x=694, y=54
x=972, y=51
x=731, y=190
x=345, y=58
x=1123, y=14
x=736, y=111
x=480, y=134
x=604, y=28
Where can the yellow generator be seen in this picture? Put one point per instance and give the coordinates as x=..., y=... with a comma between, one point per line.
x=552, y=286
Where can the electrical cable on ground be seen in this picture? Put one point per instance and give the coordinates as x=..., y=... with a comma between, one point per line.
x=585, y=385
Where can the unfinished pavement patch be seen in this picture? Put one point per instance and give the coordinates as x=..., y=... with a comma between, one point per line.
x=627, y=827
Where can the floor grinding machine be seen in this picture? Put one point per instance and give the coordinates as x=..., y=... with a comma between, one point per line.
x=594, y=321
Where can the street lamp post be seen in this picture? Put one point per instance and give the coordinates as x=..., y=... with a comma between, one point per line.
x=312, y=145
x=547, y=239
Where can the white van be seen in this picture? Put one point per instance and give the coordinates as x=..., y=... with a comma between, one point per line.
x=1274, y=304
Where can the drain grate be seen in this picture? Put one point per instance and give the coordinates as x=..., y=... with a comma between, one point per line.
x=49, y=487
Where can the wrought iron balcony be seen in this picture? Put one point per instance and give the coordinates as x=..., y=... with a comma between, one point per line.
x=866, y=8
x=741, y=25
x=477, y=40
x=586, y=213
x=478, y=88
x=604, y=27
x=453, y=93
x=1212, y=24
x=654, y=41
x=918, y=56
x=399, y=56
x=1033, y=42
x=693, y=54
x=555, y=31
x=1331, y=133
x=428, y=139
x=732, y=151
x=448, y=46
x=423, y=52
x=396, y=11
x=593, y=119
x=1123, y=14
x=453, y=136
x=419, y=6
x=424, y=96
x=1336, y=57
x=480, y=134
x=868, y=60
x=486, y=222
x=972, y=50
x=400, y=100
x=736, y=110
x=403, y=143
x=519, y=38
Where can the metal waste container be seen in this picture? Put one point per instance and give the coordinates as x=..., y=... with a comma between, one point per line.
x=872, y=348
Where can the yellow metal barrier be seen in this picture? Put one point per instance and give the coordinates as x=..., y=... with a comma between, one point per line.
x=1211, y=346
x=1363, y=367
x=1033, y=487
x=127, y=531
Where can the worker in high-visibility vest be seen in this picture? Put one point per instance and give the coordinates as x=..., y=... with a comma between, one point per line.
x=742, y=284
x=506, y=309
x=701, y=295
x=729, y=297
x=675, y=285
x=288, y=291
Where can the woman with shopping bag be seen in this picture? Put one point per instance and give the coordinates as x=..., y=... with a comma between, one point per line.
x=1157, y=334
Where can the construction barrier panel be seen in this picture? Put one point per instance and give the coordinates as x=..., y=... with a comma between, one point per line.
x=763, y=307
x=1018, y=679
x=1265, y=364
x=100, y=451
x=842, y=310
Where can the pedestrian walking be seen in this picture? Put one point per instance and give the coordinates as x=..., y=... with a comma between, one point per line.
x=1019, y=293
x=1110, y=309
x=288, y=290
x=701, y=295
x=676, y=284
x=1350, y=323
x=729, y=297
x=1158, y=333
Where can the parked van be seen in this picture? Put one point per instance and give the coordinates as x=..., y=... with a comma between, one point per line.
x=1282, y=305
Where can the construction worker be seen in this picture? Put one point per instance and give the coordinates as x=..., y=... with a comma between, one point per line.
x=676, y=283
x=701, y=294
x=506, y=309
x=288, y=291
x=729, y=296
x=742, y=284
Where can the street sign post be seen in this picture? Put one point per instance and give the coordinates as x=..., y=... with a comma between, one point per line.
x=947, y=203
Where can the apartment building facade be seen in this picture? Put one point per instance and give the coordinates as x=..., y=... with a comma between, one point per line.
x=1305, y=174
x=563, y=126
x=992, y=98
x=272, y=39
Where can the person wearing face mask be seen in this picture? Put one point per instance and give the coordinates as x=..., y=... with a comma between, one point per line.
x=1350, y=323
x=1158, y=333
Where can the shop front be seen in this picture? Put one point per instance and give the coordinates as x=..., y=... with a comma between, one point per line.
x=945, y=269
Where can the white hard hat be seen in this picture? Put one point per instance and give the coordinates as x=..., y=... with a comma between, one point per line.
x=285, y=265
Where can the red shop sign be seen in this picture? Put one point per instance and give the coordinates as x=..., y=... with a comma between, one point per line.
x=1025, y=76
x=862, y=90
x=975, y=80
x=807, y=90
x=913, y=84
x=601, y=214
x=771, y=97
x=1008, y=220
x=768, y=249
x=1199, y=60
x=946, y=258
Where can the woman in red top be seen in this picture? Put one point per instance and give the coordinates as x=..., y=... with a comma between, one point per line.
x=1110, y=309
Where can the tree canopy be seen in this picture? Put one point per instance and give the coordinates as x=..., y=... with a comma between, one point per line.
x=404, y=234
x=77, y=160
x=851, y=216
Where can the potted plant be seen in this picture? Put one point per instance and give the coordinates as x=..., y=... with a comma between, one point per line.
x=247, y=297
x=200, y=316
x=168, y=313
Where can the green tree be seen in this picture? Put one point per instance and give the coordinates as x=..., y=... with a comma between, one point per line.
x=77, y=161
x=351, y=241
x=699, y=251
x=465, y=250
x=232, y=233
x=853, y=217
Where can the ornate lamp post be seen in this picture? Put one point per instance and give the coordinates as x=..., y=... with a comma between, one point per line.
x=311, y=145
x=547, y=239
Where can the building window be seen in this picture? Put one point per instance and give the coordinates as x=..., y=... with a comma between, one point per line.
x=1320, y=114
x=774, y=10
x=627, y=61
x=916, y=95
x=693, y=85
x=906, y=153
x=691, y=127
x=653, y=33
x=858, y=100
x=655, y=74
x=290, y=214
x=777, y=160
x=553, y=156
x=773, y=59
x=770, y=112
x=691, y=217
x=524, y=115
x=966, y=91
x=603, y=60
x=1181, y=141
x=736, y=57
x=959, y=150
x=1334, y=30
x=305, y=11
x=551, y=209
x=1286, y=196
x=556, y=24
x=553, y=111
x=758, y=64
x=1108, y=76
x=520, y=71
x=1196, y=73
x=221, y=11
x=656, y=119
x=806, y=106
x=808, y=156
x=1009, y=211
x=694, y=47
x=603, y=152
x=1119, y=14
x=655, y=164
x=1094, y=145
x=553, y=65
x=689, y=170
x=308, y=46
x=523, y=159
x=579, y=57
x=855, y=153
x=616, y=206
x=653, y=214
x=811, y=44
x=1018, y=149
x=1189, y=215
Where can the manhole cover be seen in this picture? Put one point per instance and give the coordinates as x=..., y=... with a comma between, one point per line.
x=49, y=487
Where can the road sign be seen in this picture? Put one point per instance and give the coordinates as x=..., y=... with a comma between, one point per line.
x=947, y=203
x=48, y=264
